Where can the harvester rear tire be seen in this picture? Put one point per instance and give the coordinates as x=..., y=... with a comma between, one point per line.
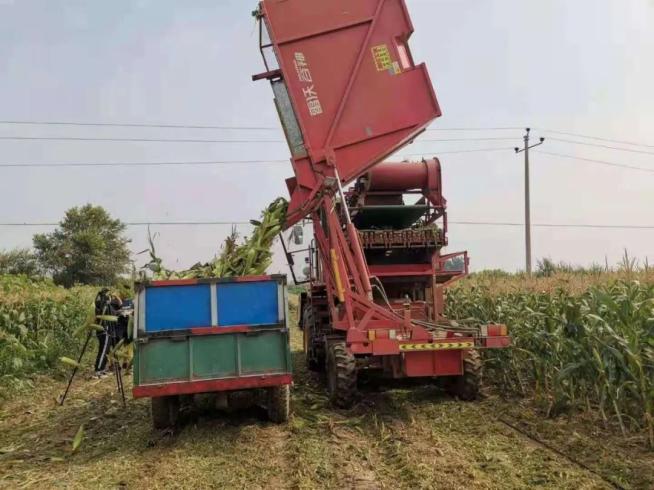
x=279, y=403
x=341, y=375
x=468, y=386
x=165, y=411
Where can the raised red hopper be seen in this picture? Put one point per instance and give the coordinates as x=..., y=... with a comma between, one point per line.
x=346, y=87
x=349, y=95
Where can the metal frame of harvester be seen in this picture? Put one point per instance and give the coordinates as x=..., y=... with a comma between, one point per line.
x=349, y=95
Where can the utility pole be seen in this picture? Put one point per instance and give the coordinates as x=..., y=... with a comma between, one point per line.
x=525, y=150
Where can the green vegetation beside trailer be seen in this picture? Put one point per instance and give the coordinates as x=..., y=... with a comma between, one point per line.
x=39, y=323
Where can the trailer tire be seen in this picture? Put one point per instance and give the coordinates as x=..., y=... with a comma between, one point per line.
x=341, y=375
x=164, y=411
x=468, y=386
x=279, y=403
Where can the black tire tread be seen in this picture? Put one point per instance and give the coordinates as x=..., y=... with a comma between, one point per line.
x=343, y=369
x=468, y=386
x=279, y=403
x=164, y=411
x=312, y=363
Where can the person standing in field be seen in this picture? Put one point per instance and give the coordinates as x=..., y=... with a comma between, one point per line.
x=105, y=304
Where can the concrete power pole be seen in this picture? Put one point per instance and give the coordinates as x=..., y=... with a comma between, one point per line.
x=525, y=150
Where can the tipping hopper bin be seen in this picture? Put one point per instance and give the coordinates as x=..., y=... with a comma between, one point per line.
x=346, y=87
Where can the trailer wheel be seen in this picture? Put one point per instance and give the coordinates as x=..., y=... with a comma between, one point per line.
x=468, y=386
x=279, y=401
x=341, y=375
x=165, y=411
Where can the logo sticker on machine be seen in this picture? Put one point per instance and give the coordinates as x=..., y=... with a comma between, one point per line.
x=436, y=346
x=382, y=57
x=308, y=90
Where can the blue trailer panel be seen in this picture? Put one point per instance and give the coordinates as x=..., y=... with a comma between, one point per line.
x=172, y=308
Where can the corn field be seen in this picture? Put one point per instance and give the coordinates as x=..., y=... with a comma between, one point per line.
x=39, y=322
x=574, y=349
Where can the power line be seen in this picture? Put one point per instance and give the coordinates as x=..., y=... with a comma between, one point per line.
x=438, y=153
x=597, y=138
x=277, y=128
x=142, y=164
x=464, y=223
x=210, y=162
x=148, y=223
x=465, y=139
x=597, y=145
x=601, y=162
x=203, y=126
x=138, y=140
x=477, y=129
x=139, y=125
x=555, y=225
x=174, y=140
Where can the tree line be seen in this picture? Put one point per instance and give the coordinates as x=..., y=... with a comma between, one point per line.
x=87, y=247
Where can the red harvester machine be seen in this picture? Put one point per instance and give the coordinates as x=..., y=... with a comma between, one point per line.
x=349, y=95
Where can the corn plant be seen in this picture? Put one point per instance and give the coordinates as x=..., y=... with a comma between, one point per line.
x=591, y=349
x=39, y=323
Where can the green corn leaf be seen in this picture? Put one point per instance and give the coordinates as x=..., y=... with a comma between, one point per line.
x=107, y=318
x=68, y=361
x=79, y=436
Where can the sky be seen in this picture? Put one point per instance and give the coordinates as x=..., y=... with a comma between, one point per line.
x=582, y=66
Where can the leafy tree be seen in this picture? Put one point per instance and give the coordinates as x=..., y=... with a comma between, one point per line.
x=19, y=261
x=87, y=248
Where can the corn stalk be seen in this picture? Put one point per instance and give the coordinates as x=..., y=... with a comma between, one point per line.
x=251, y=257
x=589, y=349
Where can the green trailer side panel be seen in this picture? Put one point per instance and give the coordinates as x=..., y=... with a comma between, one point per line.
x=214, y=356
x=136, y=373
x=263, y=353
x=163, y=360
x=222, y=356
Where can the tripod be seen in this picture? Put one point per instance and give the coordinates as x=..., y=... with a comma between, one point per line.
x=115, y=362
x=109, y=325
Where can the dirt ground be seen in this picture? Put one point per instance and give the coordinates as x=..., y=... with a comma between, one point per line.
x=396, y=437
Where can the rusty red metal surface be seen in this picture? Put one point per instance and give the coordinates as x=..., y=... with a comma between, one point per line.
x=406, y=176
x=446, y=363
x=356, y=94
x=209, y=386
x=496, y=342
x=188, y=282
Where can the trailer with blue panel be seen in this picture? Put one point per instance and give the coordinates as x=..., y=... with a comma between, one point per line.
x=212, y=336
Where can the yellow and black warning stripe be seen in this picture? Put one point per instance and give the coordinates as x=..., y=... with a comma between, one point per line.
x=436, y=346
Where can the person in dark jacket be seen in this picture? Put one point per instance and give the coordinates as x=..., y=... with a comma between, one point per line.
x=105, y=304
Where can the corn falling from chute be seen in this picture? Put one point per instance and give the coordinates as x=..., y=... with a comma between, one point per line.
x=252, y=257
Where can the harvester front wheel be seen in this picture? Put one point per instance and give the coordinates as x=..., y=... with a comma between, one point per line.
x=165, y=411
x=468, y=386
x=312, y=362
x=279, y=402
x=341, y=375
